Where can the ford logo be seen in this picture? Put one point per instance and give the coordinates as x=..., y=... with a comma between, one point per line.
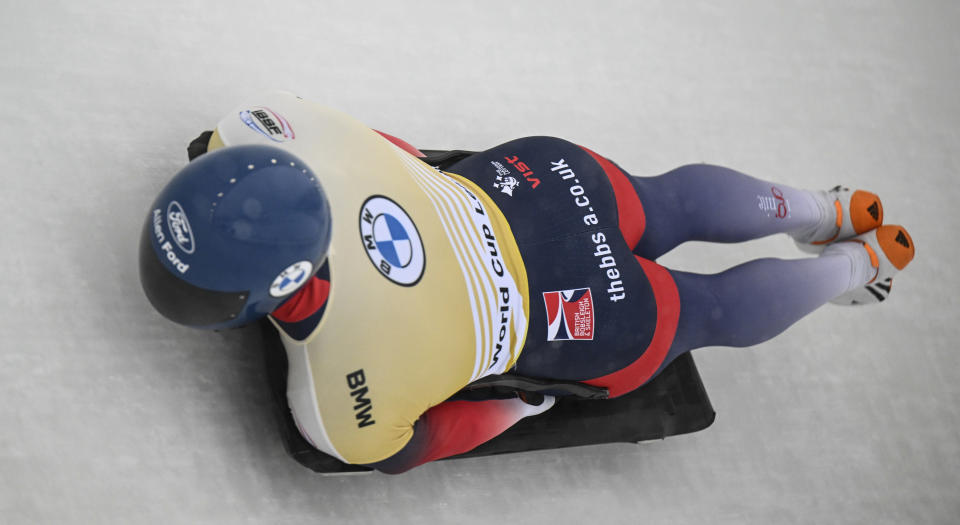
x=179, y=227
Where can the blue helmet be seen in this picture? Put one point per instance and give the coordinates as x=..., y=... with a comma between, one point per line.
x=232, y=236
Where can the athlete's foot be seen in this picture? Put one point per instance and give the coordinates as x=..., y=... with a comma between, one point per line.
x=846, y=214
x=888, y=249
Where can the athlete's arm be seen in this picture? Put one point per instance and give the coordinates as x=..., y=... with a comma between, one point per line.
x=402, y=144
x=455, y=427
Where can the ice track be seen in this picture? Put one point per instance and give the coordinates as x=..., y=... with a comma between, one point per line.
x=109, y=414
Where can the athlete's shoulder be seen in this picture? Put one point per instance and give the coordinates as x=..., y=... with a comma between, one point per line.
x=280, y=117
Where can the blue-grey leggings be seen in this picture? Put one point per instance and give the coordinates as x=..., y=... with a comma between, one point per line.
x=752, y=302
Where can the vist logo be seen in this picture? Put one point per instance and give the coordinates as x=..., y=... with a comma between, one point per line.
x=291, y=278
x=524, y=170
x=569, y=314
x=391, y=240
x=179, y=227
x=268, y=123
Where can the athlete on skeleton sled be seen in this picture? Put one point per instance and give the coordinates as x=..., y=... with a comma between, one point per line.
x=418, y=305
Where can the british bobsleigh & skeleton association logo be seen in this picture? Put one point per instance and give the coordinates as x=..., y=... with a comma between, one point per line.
x=391, y=240
x=569, y=314
x=268, y=123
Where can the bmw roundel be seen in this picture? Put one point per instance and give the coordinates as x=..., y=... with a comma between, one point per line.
x=291, y=278
x=391, y=241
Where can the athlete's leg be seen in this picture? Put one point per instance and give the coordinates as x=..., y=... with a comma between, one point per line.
x=711, y=203
x=755, y=301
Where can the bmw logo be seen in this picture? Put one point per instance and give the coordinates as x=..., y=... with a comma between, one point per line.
x=391, y=241
x=291, y=278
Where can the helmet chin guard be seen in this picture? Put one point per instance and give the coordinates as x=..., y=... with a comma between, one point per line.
x=232, y=236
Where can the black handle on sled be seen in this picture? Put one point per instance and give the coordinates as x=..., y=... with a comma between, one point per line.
x=539, y=386
x=443, y=159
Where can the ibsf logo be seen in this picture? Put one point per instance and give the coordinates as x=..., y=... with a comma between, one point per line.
x=392, y=241
x=179, y=227
x=268, y=123
x=569, y=315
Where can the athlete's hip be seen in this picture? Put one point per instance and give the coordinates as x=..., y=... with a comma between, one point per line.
x=592, y=309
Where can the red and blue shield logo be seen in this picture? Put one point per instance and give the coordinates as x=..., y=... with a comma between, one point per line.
x=569, y=314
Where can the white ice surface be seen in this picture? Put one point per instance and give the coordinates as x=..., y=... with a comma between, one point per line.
x=110, y=414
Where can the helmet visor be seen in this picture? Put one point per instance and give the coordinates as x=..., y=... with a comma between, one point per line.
x=180, y=301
